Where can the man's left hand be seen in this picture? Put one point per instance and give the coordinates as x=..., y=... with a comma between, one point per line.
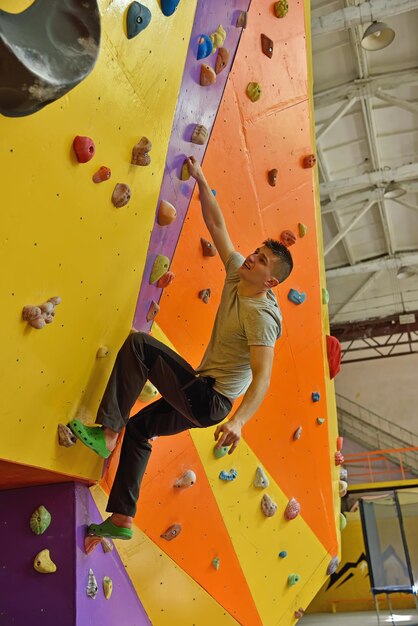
x=228, y=434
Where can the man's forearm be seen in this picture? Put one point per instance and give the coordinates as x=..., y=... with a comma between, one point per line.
x=252, y=399
x=211, y=211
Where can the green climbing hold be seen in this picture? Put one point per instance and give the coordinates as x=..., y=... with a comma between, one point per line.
x=254, y=91
x=293, y=579
x=160, y=267
x=216, y=562
x=325, y=295
x=281, y=8
x=302, y=229
x=40, y=520
x=148, y=392
x=343, y=521
x=220, y=452
x=320, y=420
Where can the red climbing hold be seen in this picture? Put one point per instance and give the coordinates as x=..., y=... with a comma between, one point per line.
x=334, y=355
x=84, y=148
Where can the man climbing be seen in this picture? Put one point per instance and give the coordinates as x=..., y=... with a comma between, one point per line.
x=238, y=361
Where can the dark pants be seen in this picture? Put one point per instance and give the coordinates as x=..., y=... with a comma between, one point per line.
x=187, y=402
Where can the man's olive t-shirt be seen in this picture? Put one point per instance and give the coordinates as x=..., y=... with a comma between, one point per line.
x=240, y=322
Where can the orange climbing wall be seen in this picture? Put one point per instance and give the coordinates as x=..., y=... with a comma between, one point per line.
x=225, y=520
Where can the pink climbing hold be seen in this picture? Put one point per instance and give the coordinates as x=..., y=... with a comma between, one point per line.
x=165, y=280
x=338, y=458
x=292, y=509
x=152, y=311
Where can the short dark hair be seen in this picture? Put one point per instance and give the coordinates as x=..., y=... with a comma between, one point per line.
x=279, y=250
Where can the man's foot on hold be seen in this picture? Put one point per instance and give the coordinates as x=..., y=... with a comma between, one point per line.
x=93, y=437
x=117, y=527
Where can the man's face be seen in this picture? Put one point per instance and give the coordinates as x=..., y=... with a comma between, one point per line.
x=258, y=268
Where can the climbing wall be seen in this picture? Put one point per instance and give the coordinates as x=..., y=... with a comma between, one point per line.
x=64, y=237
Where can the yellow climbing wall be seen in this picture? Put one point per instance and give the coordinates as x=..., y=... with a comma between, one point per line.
x=61, y=234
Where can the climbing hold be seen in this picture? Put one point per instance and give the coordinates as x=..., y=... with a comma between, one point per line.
x=186, y=480
x=268, y=507
x=204, y=295
x=292, y=509
x=293, y=579
x=102, y=352
x=228, y=476
x=333, y=566
x=267, y=46
x=102, y=174
x=340, y=443
x=140, y=152
x=299, y=613
x=204, y=47
x=281, y=8
x=107, y=587
x=66, y=437
x=343, y=521
x=107, y=545
x=90, y=543
x=43, y=563
x=220, y=452
x=221, y=60
x=207, y=75
x=343, y=473
x=152, y=311
x=315, y=396
x=185, y=173
x=296, y=297
x=320, y=420
x=288, y=238
x=166, y=213
x=39, y=316
x=242, y=20
x=171, y=532
x=298, y=433
x=200, y=135
x=40, y=520
x=342, y=488
x=159, y=268
x=84, y=148
x=325, y=295
x=309, y=161
x=283, y=554
x=169, y=6
x=165, y=280
x=137, y=19
x=254, y=91
x=148, y=392
x=92, y=587
x=208, y=248
x=216, y=562
x=334, y=355
x=121, y=195
x=260, y=481
x=272, y=177
x=302, y=230
x=213, y=191
x=339, y=458
x=218, y=37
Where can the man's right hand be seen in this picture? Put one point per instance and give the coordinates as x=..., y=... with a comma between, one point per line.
x=195, y=169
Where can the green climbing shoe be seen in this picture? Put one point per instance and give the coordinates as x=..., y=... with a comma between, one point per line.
x=91, y=436
x=108, y=529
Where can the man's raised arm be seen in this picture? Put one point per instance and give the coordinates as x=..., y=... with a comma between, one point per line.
x=211, y=211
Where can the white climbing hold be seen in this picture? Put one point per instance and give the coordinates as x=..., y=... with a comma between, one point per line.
x=260, y=481
x=186, y=480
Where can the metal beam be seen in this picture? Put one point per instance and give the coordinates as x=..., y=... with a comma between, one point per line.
x=365, y=86
x=366, y=12
x=406, y=204
x=398, y=102
x=364, y=287
x=385, y=263
x=334, y=118
x=377, y=327
x=382, y=177
x=351, y=201
x=347, y=228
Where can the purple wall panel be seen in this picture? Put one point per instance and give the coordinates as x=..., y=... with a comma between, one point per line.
x=195, y=105
x=59, y=599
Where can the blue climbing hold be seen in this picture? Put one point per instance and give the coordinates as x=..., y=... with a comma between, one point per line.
x=315, y=396
x=296, y=297
x=169, y=6
x=213, y=191
x=283, y=554
x=231, y=475
x=205, y=47
x=137, y=19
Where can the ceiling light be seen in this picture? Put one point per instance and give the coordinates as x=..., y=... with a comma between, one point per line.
x=377, y=36
x=404, y=272
x=393, y=190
